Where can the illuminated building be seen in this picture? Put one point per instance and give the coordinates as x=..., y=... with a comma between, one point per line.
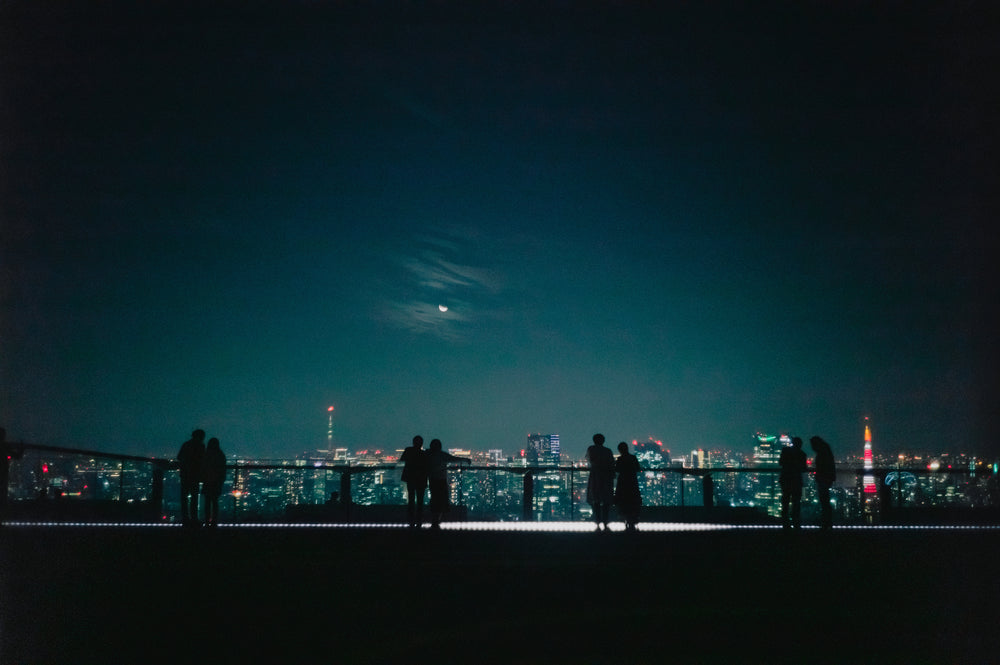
x=767, y=452
x=650, y=453
x=543, y=449
x=549, y=487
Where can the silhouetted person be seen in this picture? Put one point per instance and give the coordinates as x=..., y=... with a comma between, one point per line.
x=5, y=457
x=213, y=477
x=414, y=459
x=707, y=491
x=190, y=459
x=825, y=475
x=437, y=474
x=600, y=484
x=793, y=465
x=627, y=496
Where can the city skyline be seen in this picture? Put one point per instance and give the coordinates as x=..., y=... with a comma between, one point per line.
x=686, y=223
x=493, y=488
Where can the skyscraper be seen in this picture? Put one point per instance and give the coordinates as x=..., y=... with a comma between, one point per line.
x=767, y=452
x=544, y=448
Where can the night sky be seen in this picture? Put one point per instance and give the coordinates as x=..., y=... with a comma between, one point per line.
x=688, y=223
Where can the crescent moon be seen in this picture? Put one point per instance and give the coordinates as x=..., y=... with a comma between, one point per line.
x=443, y=308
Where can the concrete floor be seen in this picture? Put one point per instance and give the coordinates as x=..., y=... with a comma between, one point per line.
x=169, y=595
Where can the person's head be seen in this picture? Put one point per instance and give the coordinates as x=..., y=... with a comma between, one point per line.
x=623, y=448
x=198, y=435
x=797, y=442
x=213, y=443
x=598, y=439
x=418, y=441
x=435, y=444
x=817, y=443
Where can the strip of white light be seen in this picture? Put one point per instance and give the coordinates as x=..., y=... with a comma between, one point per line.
x=524, y=527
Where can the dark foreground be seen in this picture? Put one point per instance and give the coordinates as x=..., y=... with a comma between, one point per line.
x=390, y=596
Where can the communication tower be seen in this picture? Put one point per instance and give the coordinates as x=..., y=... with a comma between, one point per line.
x=869, y=475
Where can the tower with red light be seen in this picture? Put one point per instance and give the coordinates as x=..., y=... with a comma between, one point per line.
x=869, y=469
x=329, y=429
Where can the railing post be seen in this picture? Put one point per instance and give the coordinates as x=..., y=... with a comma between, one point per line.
x=156, y=494
x=899, y=485
x=529, y=495
x=572, y=496
x=345, y=491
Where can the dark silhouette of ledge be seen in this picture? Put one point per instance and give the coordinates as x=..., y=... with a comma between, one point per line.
x=172, y=595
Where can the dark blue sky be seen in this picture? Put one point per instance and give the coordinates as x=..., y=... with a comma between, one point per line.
x=684, y=223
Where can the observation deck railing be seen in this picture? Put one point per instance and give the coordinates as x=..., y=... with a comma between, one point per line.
x=49, y=483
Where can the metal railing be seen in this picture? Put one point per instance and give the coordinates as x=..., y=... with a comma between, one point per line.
x=53, y=483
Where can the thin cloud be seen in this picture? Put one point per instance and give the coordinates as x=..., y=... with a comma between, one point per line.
x=433, y=275
x=423, y=317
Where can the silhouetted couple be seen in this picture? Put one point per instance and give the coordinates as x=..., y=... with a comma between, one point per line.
x=793, y=465
x=422, y=469
x=205, y=467
x=600, y=485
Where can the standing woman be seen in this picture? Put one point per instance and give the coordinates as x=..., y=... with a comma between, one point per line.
x=600, y=485
x=627, y=496
x=213, y=477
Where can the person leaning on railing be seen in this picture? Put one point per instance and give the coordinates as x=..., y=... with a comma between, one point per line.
x=825, y=475
x=437, y=475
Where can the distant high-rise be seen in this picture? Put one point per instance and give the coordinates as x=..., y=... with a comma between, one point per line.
x=767, y=451
x=544, y=448
x=650, y=453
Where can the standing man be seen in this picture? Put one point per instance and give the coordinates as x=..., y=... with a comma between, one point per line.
x=414, y=461
x=793, y=465
x=600, y=484
x=189, y=460
x=825, y=474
